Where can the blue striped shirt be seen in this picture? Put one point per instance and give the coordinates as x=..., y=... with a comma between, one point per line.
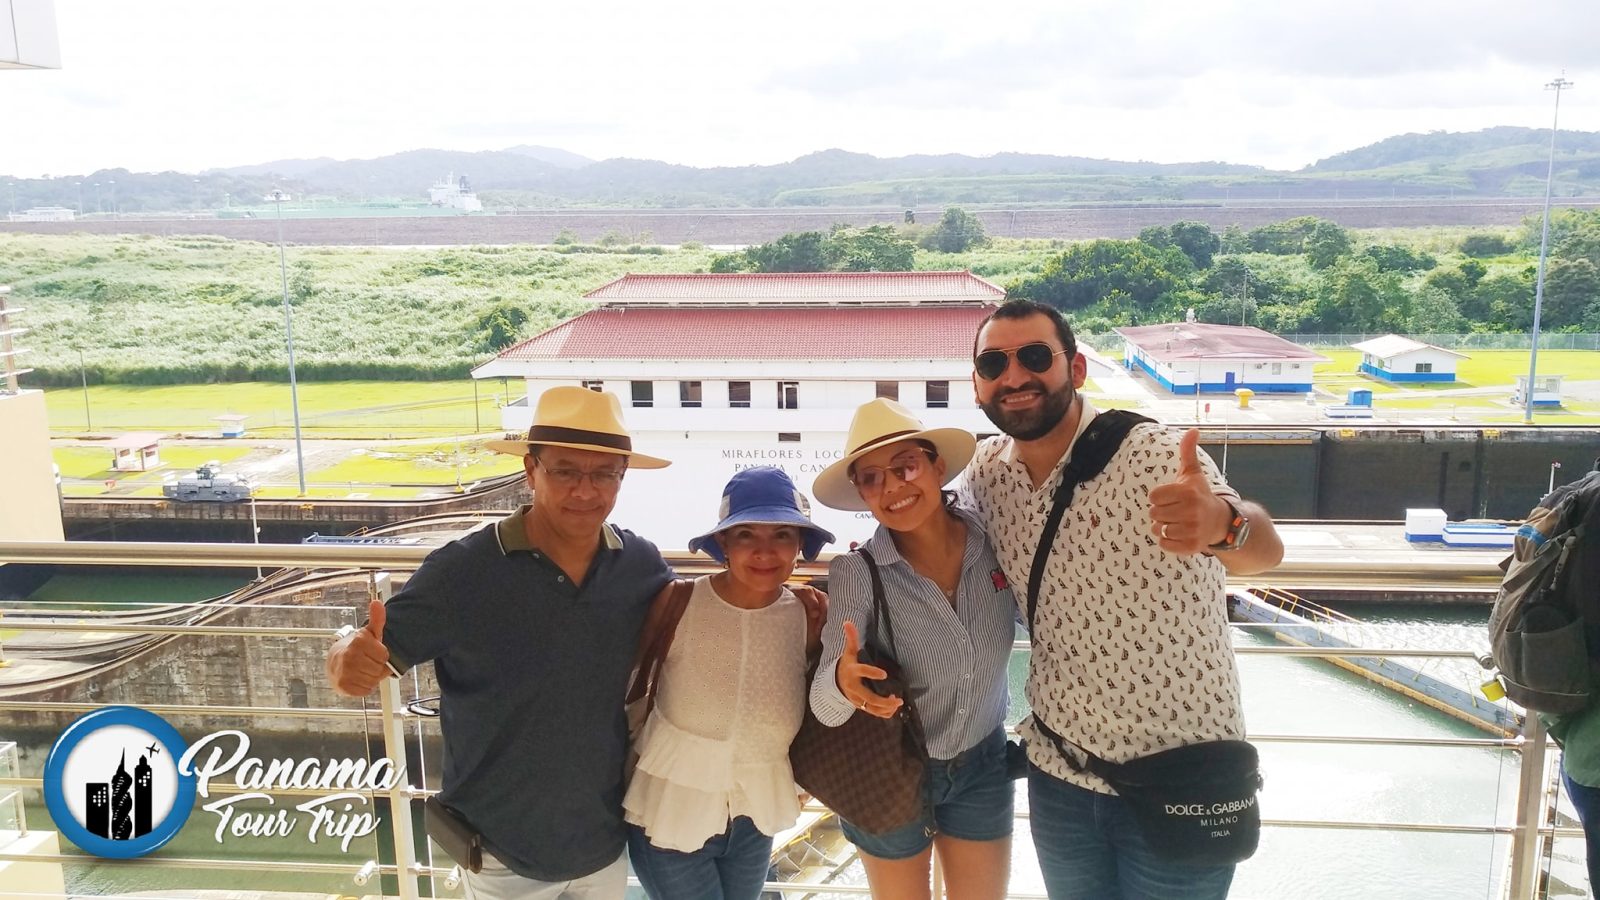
x=953, y=657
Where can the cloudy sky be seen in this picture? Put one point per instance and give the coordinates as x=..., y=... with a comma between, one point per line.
x=158, y=85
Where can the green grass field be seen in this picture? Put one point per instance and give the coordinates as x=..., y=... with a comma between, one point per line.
x=1481, y=369
x=421, y=464
x=393, y=472
x=370, y=409
x=95, y=462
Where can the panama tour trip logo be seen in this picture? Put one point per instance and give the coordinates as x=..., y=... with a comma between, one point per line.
x=113, y=785
x=120, y=782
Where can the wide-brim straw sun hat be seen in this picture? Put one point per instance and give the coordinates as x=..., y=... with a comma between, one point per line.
x=580, y=419
x=763, y=495
x=878, y=424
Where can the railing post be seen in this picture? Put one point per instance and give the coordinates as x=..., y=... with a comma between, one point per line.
x=1525, y=840
x=394, y=747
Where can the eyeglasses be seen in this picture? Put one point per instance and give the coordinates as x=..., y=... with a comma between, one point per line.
x=1038, y=357
x=602, y=479
x=906, y=467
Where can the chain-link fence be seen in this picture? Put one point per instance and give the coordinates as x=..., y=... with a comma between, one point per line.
x=1111, y=342
x=1509, y=341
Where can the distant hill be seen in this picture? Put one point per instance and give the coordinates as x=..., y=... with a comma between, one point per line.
x=1502, y=145
x=290, y=167
x=1493, y=162
x=552, y=155
x=1504, y=161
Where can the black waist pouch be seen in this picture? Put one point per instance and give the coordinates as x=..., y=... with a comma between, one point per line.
x=455, y=834
x=1195, y=805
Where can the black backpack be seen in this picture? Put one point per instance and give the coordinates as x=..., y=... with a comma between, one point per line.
x=1544, y=632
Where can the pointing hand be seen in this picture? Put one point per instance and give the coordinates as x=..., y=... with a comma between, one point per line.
x=852, y=676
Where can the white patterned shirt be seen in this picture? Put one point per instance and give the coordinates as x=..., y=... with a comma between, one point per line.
x=1131, y=648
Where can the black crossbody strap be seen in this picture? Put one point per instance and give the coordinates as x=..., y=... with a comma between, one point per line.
x=1092, y=764
x=1090, y=453
x=880, y=604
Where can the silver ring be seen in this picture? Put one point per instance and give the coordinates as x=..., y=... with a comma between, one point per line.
x=1163, y=531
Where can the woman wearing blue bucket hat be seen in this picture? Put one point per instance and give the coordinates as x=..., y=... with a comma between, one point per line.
x=713, y=782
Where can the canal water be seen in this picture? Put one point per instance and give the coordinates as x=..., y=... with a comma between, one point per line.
x=1282, y=695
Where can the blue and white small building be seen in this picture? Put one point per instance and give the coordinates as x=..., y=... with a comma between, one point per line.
x=1190, y=357
x=1400, y=359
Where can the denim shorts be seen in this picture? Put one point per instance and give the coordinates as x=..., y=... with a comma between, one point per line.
x=970, y=797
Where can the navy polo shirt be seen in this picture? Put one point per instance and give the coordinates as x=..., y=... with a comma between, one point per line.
x=533, y=672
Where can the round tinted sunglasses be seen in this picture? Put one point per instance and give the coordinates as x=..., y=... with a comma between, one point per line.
x=1036, y=358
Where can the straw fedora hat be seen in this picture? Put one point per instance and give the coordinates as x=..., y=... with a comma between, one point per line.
x=583, y=420
x=878, y=424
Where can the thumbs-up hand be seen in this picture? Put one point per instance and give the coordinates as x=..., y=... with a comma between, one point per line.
x=1185, y=516
x=359, y=660
x=852, y=676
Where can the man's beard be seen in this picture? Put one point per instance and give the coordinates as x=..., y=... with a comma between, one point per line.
x=1030, y=424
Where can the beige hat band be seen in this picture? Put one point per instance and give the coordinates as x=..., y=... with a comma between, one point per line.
x=554, y=433
x=880, y=438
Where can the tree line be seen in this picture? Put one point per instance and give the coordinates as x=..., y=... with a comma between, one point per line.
x=1301, y=275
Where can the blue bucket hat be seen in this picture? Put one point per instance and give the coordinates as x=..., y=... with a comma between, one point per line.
x=763, y=495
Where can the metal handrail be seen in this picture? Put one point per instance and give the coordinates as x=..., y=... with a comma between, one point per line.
x=1464, y=569
x=271, y=631
x=1456, y=572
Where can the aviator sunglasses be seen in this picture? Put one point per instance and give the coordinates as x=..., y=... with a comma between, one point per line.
x=1036, y=358
x=906, y=466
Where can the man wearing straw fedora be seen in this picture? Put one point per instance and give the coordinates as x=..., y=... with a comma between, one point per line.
x=1121, y=578
x=532, y=625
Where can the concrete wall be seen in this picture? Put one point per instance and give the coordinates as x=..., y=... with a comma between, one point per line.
x=30, y=507
x=32, y=880
x=216, y=671
x=28, y=36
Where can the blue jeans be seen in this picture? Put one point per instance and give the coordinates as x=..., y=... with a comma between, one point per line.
x=969, y=797
x=1090, y=848
x=1587, y=801
x=731, y=866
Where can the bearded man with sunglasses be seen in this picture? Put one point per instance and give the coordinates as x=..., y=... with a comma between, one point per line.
x=1131, y=650
x=531, y=625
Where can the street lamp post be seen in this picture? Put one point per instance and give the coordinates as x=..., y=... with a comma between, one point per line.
x=83, y=373
x=113, y=185
x=1544, y=248
x=98, y=206
x=80, y=198
x=277, y=197
x=255, y=529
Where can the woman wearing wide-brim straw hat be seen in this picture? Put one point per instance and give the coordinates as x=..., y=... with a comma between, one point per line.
x=953, y=617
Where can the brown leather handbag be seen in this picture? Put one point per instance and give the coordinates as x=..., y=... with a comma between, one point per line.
x=871, y=771
x=655, y=639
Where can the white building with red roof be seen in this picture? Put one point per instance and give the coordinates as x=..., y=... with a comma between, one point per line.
x=1188, y=356
x=721, y=372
